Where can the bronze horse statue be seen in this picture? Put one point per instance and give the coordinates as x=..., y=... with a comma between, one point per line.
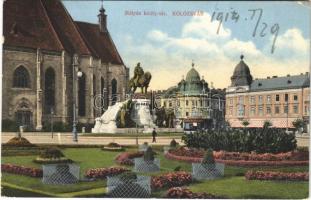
x=142, y=82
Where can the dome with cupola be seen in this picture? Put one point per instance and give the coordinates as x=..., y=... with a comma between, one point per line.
x=193, y=84
x=241, y=75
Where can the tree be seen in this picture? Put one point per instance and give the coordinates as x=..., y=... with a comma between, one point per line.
x=298, y=124
x=267, y=124
x=245, y=123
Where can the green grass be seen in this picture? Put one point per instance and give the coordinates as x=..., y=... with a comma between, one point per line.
x=238, y=187
x=233, y=185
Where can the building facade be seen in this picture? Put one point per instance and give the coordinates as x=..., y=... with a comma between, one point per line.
x=280, y=100
x=195, y=105
x=43, y=50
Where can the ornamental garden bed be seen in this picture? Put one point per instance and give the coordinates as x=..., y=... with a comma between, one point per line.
x=171, y=179
x=241, y=159
x=126, y=158
x=185, y=193
x=113, y=147
x=51, y=156
x=21, y=170
x=279, y=176
x=102, y=173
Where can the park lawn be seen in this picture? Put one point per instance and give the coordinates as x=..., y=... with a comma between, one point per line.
x=96, y=158
x=239, y=187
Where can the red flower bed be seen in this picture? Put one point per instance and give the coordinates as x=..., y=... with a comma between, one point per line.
x=272, y=175
x=102, y=173
x=171, y=180
x=242, y=159
x=185, y=193
x=27, y=171
x=126, y=158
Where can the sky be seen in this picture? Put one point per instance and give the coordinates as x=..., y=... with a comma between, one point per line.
x=166, y=45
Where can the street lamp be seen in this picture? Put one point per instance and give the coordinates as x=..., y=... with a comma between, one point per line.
x=76, y=73
x=52, y=113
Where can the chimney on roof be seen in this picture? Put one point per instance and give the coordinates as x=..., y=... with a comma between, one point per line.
x=102, y=20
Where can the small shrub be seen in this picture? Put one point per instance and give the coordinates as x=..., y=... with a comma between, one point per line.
x=113, y=144
x=267, y=124
x=245, y=123
x=208, y=158
x=173, y=143
x=19, y=141
x=51, y=153
x=149, y=154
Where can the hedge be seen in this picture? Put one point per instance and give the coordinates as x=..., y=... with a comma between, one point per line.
x=260, y=140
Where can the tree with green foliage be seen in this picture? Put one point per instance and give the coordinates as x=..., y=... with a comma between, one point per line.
x=245, y=123
x=299, y=124
x=267, y=124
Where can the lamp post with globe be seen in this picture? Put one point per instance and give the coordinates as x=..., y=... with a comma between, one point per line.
x=76, y=73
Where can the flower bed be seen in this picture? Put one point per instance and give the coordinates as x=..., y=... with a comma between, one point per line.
x=272, y=175
x=112, y=146
x=172, y=179
x=126, y=158
x=102, y=173
x=185, y=193
x=242, y=159
x=27, y=171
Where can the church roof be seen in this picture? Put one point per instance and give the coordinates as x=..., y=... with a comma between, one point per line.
x=26, y=24
x=100, y=43
x=47, y=25
x=279, y=83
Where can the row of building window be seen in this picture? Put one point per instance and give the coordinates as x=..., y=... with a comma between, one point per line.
x=260, y=99
x=21, y=80
x=295, y=110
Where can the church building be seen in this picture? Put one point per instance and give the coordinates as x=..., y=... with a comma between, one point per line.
x=51, y=62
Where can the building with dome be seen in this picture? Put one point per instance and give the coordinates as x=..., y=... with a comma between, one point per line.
x=195, y=105
x=281, y=100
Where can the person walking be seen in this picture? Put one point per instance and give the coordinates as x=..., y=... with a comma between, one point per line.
x=154, y=134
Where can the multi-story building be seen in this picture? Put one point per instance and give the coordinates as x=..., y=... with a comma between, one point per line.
x=281, y=100
x=195, y=105
x=42, y=48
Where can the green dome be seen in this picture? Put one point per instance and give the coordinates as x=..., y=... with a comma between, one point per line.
x=193, y=75
x=193, y=85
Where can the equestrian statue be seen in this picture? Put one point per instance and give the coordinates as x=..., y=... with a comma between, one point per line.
x=140, y=79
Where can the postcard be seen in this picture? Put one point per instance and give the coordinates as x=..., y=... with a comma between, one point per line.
x=155, y=99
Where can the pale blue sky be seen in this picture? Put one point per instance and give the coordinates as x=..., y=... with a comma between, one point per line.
x=131, y=33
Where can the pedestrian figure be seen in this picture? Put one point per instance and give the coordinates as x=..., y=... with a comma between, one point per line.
x=154, y=134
